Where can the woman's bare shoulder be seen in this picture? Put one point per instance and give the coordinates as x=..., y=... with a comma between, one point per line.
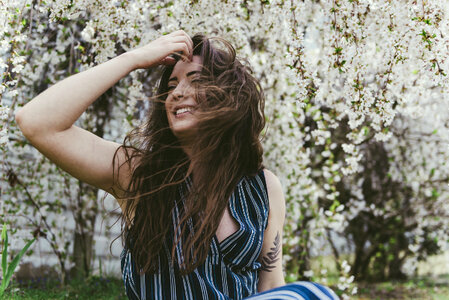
x=274, y=189
x=273, y=182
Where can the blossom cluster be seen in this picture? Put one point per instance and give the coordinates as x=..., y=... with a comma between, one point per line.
x=338, y=76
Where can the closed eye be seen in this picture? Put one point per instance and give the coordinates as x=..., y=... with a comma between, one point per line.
x=172, y=87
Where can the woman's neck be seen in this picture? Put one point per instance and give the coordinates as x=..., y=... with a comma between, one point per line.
x=186, y=142
x=188, y=151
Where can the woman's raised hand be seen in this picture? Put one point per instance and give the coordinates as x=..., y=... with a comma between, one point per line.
x=160, y=51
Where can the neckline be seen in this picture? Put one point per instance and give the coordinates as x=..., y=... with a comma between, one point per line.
x=225, y=242
x=233, y=214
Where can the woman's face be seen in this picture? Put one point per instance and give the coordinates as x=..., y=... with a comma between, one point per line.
x=180, y=104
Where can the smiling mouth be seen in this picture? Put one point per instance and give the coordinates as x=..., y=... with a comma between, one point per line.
x=184, y=111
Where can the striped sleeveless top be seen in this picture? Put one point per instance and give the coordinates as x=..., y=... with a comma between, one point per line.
x=230, y=270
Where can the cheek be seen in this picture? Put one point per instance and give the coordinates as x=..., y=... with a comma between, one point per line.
x=167, y=106
x=167, y=114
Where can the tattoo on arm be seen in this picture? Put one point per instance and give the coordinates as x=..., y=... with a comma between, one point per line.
x=271, y=257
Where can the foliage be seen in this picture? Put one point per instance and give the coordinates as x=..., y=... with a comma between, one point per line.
x=93, y=287
x=413, y=288
x=357, y=114
x=8, y=269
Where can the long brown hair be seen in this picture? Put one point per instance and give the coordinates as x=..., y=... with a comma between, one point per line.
x=227, y=147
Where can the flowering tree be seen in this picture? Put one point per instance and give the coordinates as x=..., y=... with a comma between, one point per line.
x=365, y=107
x=351, y=87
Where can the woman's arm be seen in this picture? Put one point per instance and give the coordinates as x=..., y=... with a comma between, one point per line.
x=58, y=107
x=47, y=120
x=271, y=275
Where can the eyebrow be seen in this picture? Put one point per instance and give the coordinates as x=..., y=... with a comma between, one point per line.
x=188, y=74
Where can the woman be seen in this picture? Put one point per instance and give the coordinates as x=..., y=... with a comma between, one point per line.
x=203, y=218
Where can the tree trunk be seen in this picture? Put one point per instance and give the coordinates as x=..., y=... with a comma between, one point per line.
x=84, y=233
x=82, y=255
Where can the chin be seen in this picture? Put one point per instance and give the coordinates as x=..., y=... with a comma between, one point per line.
x=184, y=132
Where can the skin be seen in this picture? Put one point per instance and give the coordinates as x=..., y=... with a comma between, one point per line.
x=183, y=127
x=181, y=93
x=47, y=121
x=271, y=274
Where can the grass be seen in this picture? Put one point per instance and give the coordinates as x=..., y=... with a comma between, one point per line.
x=431, y=283
x=419, y=288
x=93, y=288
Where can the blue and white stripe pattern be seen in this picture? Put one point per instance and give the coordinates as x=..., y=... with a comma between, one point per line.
x=230, y=270
x=301, y=290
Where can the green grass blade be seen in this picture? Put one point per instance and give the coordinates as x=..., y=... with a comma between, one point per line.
x=4, y=237
x=3, y=232
x=5, y=250
x=12, y=266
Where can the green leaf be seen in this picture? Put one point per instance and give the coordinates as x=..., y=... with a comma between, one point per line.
x=3, y=232
x=338, y=50
x=435, y=193
x=15, y=263
x=365, y=130
x=5, y=250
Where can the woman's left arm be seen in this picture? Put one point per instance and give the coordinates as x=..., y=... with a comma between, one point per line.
x=271, y=275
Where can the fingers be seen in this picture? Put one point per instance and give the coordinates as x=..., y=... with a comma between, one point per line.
x=182, y=33
x=181, y=50
x=180, y=36
x=168, y=61
x=188, y=39
x=184, y=41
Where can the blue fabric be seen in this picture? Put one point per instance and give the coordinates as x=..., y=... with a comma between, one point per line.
x=230, y=270
x=297, y=290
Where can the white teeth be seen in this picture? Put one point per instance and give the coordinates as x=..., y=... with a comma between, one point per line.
x=183, y=110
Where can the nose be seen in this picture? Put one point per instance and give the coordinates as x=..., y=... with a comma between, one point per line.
x=181, y=90
x=178, y=93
